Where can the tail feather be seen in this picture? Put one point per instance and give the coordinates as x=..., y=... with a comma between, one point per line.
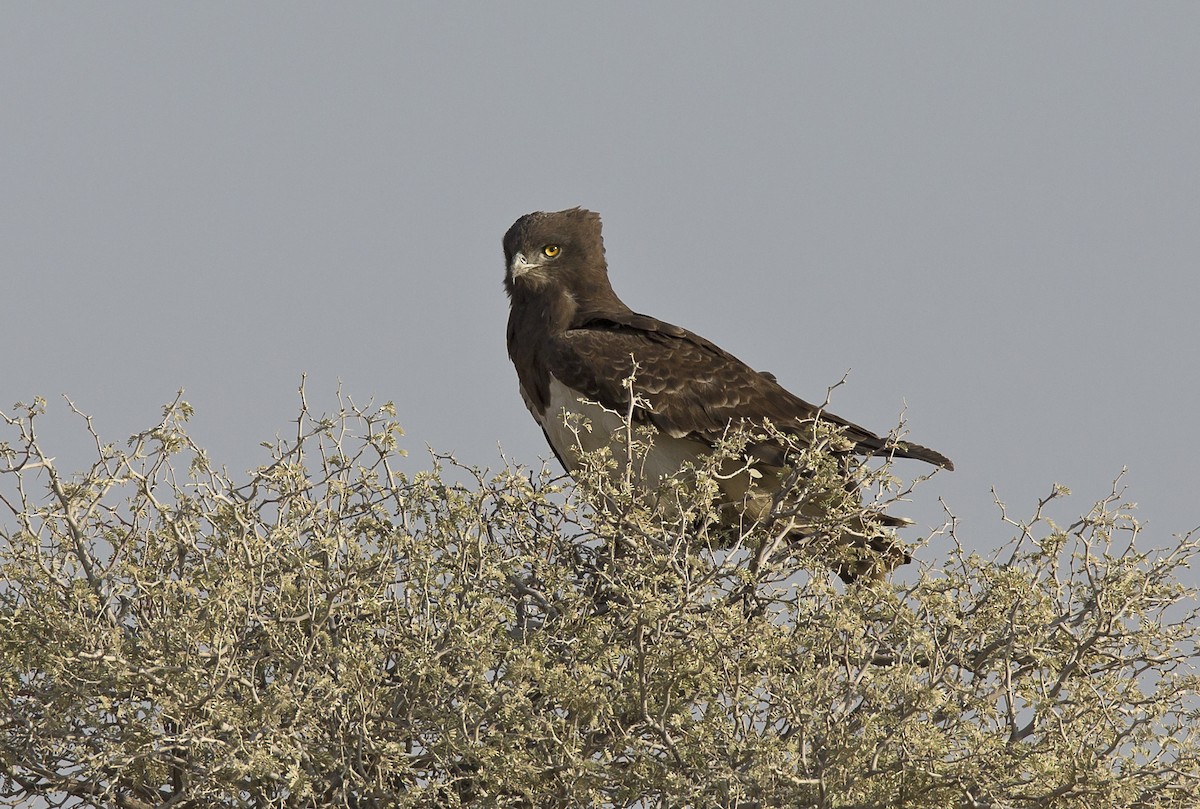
x=905, y=449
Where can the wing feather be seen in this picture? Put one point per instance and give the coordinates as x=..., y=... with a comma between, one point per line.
x=694, y=388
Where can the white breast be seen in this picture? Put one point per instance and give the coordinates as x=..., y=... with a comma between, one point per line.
x=570, y=435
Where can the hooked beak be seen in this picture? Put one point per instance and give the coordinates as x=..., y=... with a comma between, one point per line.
x=520, y=265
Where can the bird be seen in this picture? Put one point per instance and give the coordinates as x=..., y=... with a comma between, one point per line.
x=575, y=345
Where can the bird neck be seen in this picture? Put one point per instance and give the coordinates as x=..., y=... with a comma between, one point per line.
x=541, y=314
x=551, y=310
x=594, y=298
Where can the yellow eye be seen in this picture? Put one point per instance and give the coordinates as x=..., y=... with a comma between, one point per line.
x=551, y=250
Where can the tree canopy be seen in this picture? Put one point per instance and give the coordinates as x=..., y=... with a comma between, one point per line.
x=333, y=631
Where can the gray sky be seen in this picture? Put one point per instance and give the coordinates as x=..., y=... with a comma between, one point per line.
x=988, y=212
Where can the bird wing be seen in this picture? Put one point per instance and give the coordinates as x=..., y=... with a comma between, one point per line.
x=693, y=387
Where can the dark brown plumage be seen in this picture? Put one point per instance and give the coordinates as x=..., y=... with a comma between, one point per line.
x=571, y=337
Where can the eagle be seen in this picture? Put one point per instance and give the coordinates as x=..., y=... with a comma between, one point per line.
x=575, y=345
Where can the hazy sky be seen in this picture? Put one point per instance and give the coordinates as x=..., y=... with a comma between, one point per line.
x=988, y=212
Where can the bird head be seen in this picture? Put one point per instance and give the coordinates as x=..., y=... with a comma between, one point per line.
x=559, y=250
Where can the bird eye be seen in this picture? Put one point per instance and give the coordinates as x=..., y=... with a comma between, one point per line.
x=551, y=250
